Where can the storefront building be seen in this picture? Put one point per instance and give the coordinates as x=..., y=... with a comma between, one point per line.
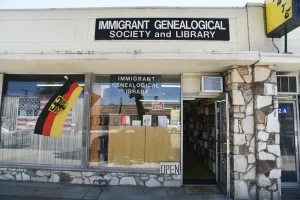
x=189, y=96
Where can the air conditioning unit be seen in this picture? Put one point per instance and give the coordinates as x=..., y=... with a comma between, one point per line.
x=211, y=84
x=287, y=84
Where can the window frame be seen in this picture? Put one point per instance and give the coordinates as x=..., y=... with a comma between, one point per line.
x=31, y=165
x=85, y=137
x=129, y=169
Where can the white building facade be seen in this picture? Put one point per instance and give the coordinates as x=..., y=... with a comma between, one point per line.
x=253, y=150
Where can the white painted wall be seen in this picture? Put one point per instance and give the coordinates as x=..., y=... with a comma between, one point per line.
x=52, y=30
x=294, y=41
x=191, y=85
x=258, y=40
x=73, y=30
x=256, y=27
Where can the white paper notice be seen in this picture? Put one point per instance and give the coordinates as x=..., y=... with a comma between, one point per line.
x=136, y=123
x=147, y=120
x=162, y=121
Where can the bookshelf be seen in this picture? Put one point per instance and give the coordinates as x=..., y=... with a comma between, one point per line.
x=200, y=127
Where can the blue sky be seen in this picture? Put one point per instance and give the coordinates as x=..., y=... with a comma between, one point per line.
x=10, y=4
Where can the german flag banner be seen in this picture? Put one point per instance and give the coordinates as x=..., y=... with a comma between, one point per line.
x=53, y=116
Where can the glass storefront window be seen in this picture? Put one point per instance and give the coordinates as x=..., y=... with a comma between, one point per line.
x=24, y=96
x=136, y=122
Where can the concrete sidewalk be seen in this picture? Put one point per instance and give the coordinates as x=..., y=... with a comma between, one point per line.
x=10, y=190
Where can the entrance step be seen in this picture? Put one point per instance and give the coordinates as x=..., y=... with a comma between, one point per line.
x=202, y=190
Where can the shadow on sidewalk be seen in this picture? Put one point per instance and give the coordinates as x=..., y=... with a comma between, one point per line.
x=12, y=190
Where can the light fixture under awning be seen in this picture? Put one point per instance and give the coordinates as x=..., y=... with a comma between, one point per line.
x=176, y=101
x=53, y=85
x=171, y=86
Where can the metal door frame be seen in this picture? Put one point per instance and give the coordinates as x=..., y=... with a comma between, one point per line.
x=294, y=102
x=223, y=97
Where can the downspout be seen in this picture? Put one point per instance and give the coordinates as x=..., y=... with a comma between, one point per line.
x=249, y=45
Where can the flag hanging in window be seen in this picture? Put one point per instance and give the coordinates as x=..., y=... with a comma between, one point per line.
x=28, y=113
x=53, y=116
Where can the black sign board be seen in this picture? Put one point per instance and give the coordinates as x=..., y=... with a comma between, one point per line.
x=162, y=29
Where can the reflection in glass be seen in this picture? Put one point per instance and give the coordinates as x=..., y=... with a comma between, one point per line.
x=287, y=142
x=23, y=99
x=136, y=122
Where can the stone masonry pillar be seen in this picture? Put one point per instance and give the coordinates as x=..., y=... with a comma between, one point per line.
x=267, y=128
x=239, y=85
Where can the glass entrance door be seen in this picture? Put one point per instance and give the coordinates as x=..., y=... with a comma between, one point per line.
x=288, y=141
x=222, y=143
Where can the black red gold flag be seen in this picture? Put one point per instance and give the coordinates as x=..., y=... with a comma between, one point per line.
x=53, y=116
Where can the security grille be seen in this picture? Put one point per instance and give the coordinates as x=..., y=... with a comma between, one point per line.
x=287, y=84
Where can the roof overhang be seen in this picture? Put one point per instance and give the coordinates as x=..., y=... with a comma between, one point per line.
x=141, y=62
x=282, y=62
x=124, y=62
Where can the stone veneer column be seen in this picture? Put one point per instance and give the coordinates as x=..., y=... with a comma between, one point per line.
x=239, y=85
x=267, y=133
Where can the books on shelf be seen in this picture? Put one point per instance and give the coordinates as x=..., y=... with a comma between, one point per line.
x=201, y=143
x=213, y=132
x=204, y=135
x=201, y=128
x=195, y=133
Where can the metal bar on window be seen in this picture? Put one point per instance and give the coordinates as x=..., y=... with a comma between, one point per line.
x=217, y=141
x=86, y=121
x=181, y=128
x=1, y=97
x=296, y=116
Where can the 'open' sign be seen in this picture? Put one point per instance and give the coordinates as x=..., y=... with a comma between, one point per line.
x=170, y=168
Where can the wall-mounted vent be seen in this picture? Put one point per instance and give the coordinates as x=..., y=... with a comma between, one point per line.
x=211, y=84
x=287, y=84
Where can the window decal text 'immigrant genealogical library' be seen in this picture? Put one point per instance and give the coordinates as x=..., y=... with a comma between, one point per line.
x=162, y=29
x=135, y=84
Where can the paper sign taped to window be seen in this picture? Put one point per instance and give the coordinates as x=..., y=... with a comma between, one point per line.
x=158, y=106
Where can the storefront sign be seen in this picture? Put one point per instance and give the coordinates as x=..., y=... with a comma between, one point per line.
x=170, y=168
x=282, y=15
x=162, y=29
x=157, y=105
x=135, y=84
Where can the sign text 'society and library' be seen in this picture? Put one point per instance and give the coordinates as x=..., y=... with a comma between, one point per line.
x=162, y=29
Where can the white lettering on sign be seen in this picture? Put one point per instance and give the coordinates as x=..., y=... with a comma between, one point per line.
x=135, y=84
x=170, y=168
x=282, y=110
x=185, y=24
x=195, y=34
x=124, y=24
x=165, y=28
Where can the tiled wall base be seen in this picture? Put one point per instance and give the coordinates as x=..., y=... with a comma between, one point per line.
x=90, y=178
